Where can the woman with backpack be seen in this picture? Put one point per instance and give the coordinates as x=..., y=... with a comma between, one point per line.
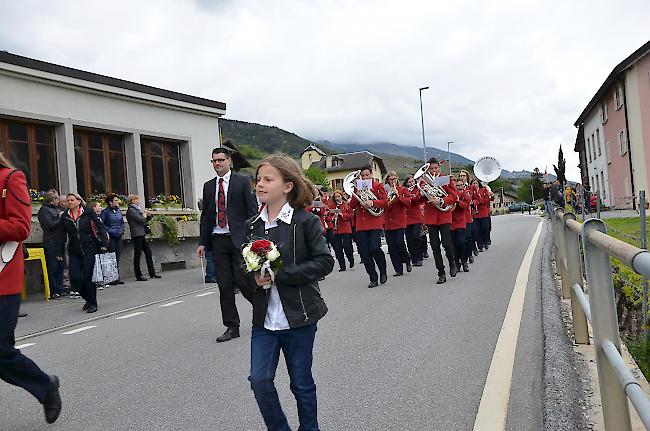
x=15, y=224
x=86, y=237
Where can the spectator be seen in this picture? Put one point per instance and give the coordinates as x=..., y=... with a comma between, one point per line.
x=548, y=206
x=587, y=199
x=138, y=224
x=114, y=221
x=53, y=242
x=86, y=238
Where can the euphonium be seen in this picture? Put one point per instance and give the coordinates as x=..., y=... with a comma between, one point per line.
x=362, y=196
x=429, y=189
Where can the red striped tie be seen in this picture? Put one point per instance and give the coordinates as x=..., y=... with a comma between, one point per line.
x=221, y=206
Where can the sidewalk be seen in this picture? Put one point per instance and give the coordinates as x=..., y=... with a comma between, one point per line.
x=42, y=315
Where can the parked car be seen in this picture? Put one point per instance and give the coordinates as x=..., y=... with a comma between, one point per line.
x=518, y=207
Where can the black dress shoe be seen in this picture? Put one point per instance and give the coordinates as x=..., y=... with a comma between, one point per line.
x=91, y=309
x=22, y=314
x=441, y=279
x=453, y=270
x=418, y=263
x=119, y=282
x=383, y=277
x=425, y=255
x=52, y=403
x=480, y=250
x=397, y=274
x=86, y=306
x=487, y=246
x=372, y=284
x=232, y=332
x=471, y=258
x=409, y=267
x=141, y=278
x=341, y=269
x=475, y=252
x=155, y=276
x=465, y=267
x=351, y=264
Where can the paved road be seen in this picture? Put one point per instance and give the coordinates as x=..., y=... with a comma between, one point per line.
x=407, y=356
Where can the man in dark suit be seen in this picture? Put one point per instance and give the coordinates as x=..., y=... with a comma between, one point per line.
x=227, y=203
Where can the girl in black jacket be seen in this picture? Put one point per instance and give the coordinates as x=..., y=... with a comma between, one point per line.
x=86, y=237
x=285, y=314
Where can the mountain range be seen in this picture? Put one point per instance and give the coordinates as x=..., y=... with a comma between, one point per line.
x=254, y=141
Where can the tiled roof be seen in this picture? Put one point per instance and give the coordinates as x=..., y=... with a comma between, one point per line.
x=351, y=162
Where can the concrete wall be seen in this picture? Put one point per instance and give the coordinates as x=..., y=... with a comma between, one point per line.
x=637, y=89
x=66, y=106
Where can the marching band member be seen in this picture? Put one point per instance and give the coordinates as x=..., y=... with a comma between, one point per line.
x=329, y=229
x=458, y=225
x=399, y=199
x=341, y=222
x=482, y=203
x=413, y=222
x=470, y=244
x=439, y=224
x=369, y=230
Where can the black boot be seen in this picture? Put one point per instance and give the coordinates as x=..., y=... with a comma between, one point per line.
x=465, y=267
x=441, y=279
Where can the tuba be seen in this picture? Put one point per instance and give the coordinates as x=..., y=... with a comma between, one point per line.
x=362, y=196
x=487, y=169
x=429, y=189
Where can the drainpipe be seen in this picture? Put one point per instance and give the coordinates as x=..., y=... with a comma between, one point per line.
x=629, y=146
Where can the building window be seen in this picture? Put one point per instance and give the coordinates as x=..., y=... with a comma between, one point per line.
x=589, y=148
x=618, y=97
x=602, y=185
x=608, y=152
x=622, y=143
x=31, y=149
x=603, y=113
x=598, y=141
x=161, y=167
x=101, y=166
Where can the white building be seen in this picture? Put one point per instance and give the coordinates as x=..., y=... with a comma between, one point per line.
x=598, y=153
x=79, y=131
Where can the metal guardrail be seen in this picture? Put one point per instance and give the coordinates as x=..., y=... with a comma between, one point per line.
x=617, y=383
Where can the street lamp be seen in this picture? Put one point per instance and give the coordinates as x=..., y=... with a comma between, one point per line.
x=449, y=155
x=424, y=144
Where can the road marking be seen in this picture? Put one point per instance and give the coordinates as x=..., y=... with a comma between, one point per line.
x=204, y=294
x=74, y=331
x=169, y=304
x=493, y=409
x=130, y=315
x=22, y=346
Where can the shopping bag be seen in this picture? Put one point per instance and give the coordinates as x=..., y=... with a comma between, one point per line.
x=108, y=263
x=98, y=275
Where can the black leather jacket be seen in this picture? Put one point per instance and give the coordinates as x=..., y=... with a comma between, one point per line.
x=305, y=259
x=82, y=240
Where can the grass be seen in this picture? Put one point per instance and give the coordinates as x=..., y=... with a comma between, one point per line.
x=640, y=350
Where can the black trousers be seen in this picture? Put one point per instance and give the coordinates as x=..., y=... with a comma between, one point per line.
x=81, y=276
x=343, y=249
x=329, y=238
x=16, y=368
x=441, y=234
x=54, y=262
x=140, y=245
x=482, y=231
x=414, y=242
x=470, y=243
x=459, y=241
x=115, y=245
x=369, y=244
x=397, y=248
x=229, y=272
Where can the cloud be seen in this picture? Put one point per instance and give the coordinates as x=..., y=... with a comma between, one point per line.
x=506, y=78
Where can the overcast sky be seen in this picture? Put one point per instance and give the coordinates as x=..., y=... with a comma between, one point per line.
x=507, y=78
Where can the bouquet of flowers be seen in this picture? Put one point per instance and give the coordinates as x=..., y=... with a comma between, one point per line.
x=263, y=256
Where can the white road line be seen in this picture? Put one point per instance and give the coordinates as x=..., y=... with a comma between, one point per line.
x=204, y=294
x=169, y=304
x=74, y=331
x=493, y=409
x=22, y=346
x=130, y=315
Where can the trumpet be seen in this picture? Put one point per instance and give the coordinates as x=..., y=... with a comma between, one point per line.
x=362, y=196
x=429, y=189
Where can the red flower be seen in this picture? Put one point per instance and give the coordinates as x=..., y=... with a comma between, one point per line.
x=261, y=247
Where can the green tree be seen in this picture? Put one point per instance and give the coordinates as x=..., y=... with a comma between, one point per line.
x=317, y=175
x=523, y=193
x=501, y=183
x=560, y=169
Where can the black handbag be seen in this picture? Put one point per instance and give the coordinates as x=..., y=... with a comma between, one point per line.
x=147, y=229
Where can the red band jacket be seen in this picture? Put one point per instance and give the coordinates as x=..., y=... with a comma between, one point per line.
x=15, y=225
x=365, y=220
x=414, y=211
x=459, y=214
x=482, y=202
x=434, y=216
x=344, y=220
x=396, y=211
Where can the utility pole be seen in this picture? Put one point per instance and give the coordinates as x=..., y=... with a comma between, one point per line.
x=424, y=144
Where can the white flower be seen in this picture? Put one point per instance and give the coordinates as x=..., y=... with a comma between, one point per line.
x=273, y=254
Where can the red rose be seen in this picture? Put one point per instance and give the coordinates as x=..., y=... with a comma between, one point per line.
x=261, y=247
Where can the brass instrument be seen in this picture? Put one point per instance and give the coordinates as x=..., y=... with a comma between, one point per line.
x=487, y=169
x=429, y=189
x=362, y=196
x=335, y=219
x=391, y=193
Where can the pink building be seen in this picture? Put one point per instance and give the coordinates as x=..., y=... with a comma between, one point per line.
x=614, y=133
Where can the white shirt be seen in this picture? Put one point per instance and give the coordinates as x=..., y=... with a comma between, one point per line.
x=275, y=319
x=226, y=181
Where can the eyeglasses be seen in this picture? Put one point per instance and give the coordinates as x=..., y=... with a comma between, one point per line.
x=218, y=160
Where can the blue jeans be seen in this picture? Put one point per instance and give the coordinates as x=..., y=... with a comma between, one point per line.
x=549, y=208
x=297, y=346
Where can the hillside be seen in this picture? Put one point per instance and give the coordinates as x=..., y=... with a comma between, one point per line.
x=398, y=150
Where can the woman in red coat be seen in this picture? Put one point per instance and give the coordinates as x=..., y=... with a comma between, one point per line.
x=413, y=230
x=458, y=226
x=341, y=221
x=15, y=224
x=399, y=199
x=481, y=200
